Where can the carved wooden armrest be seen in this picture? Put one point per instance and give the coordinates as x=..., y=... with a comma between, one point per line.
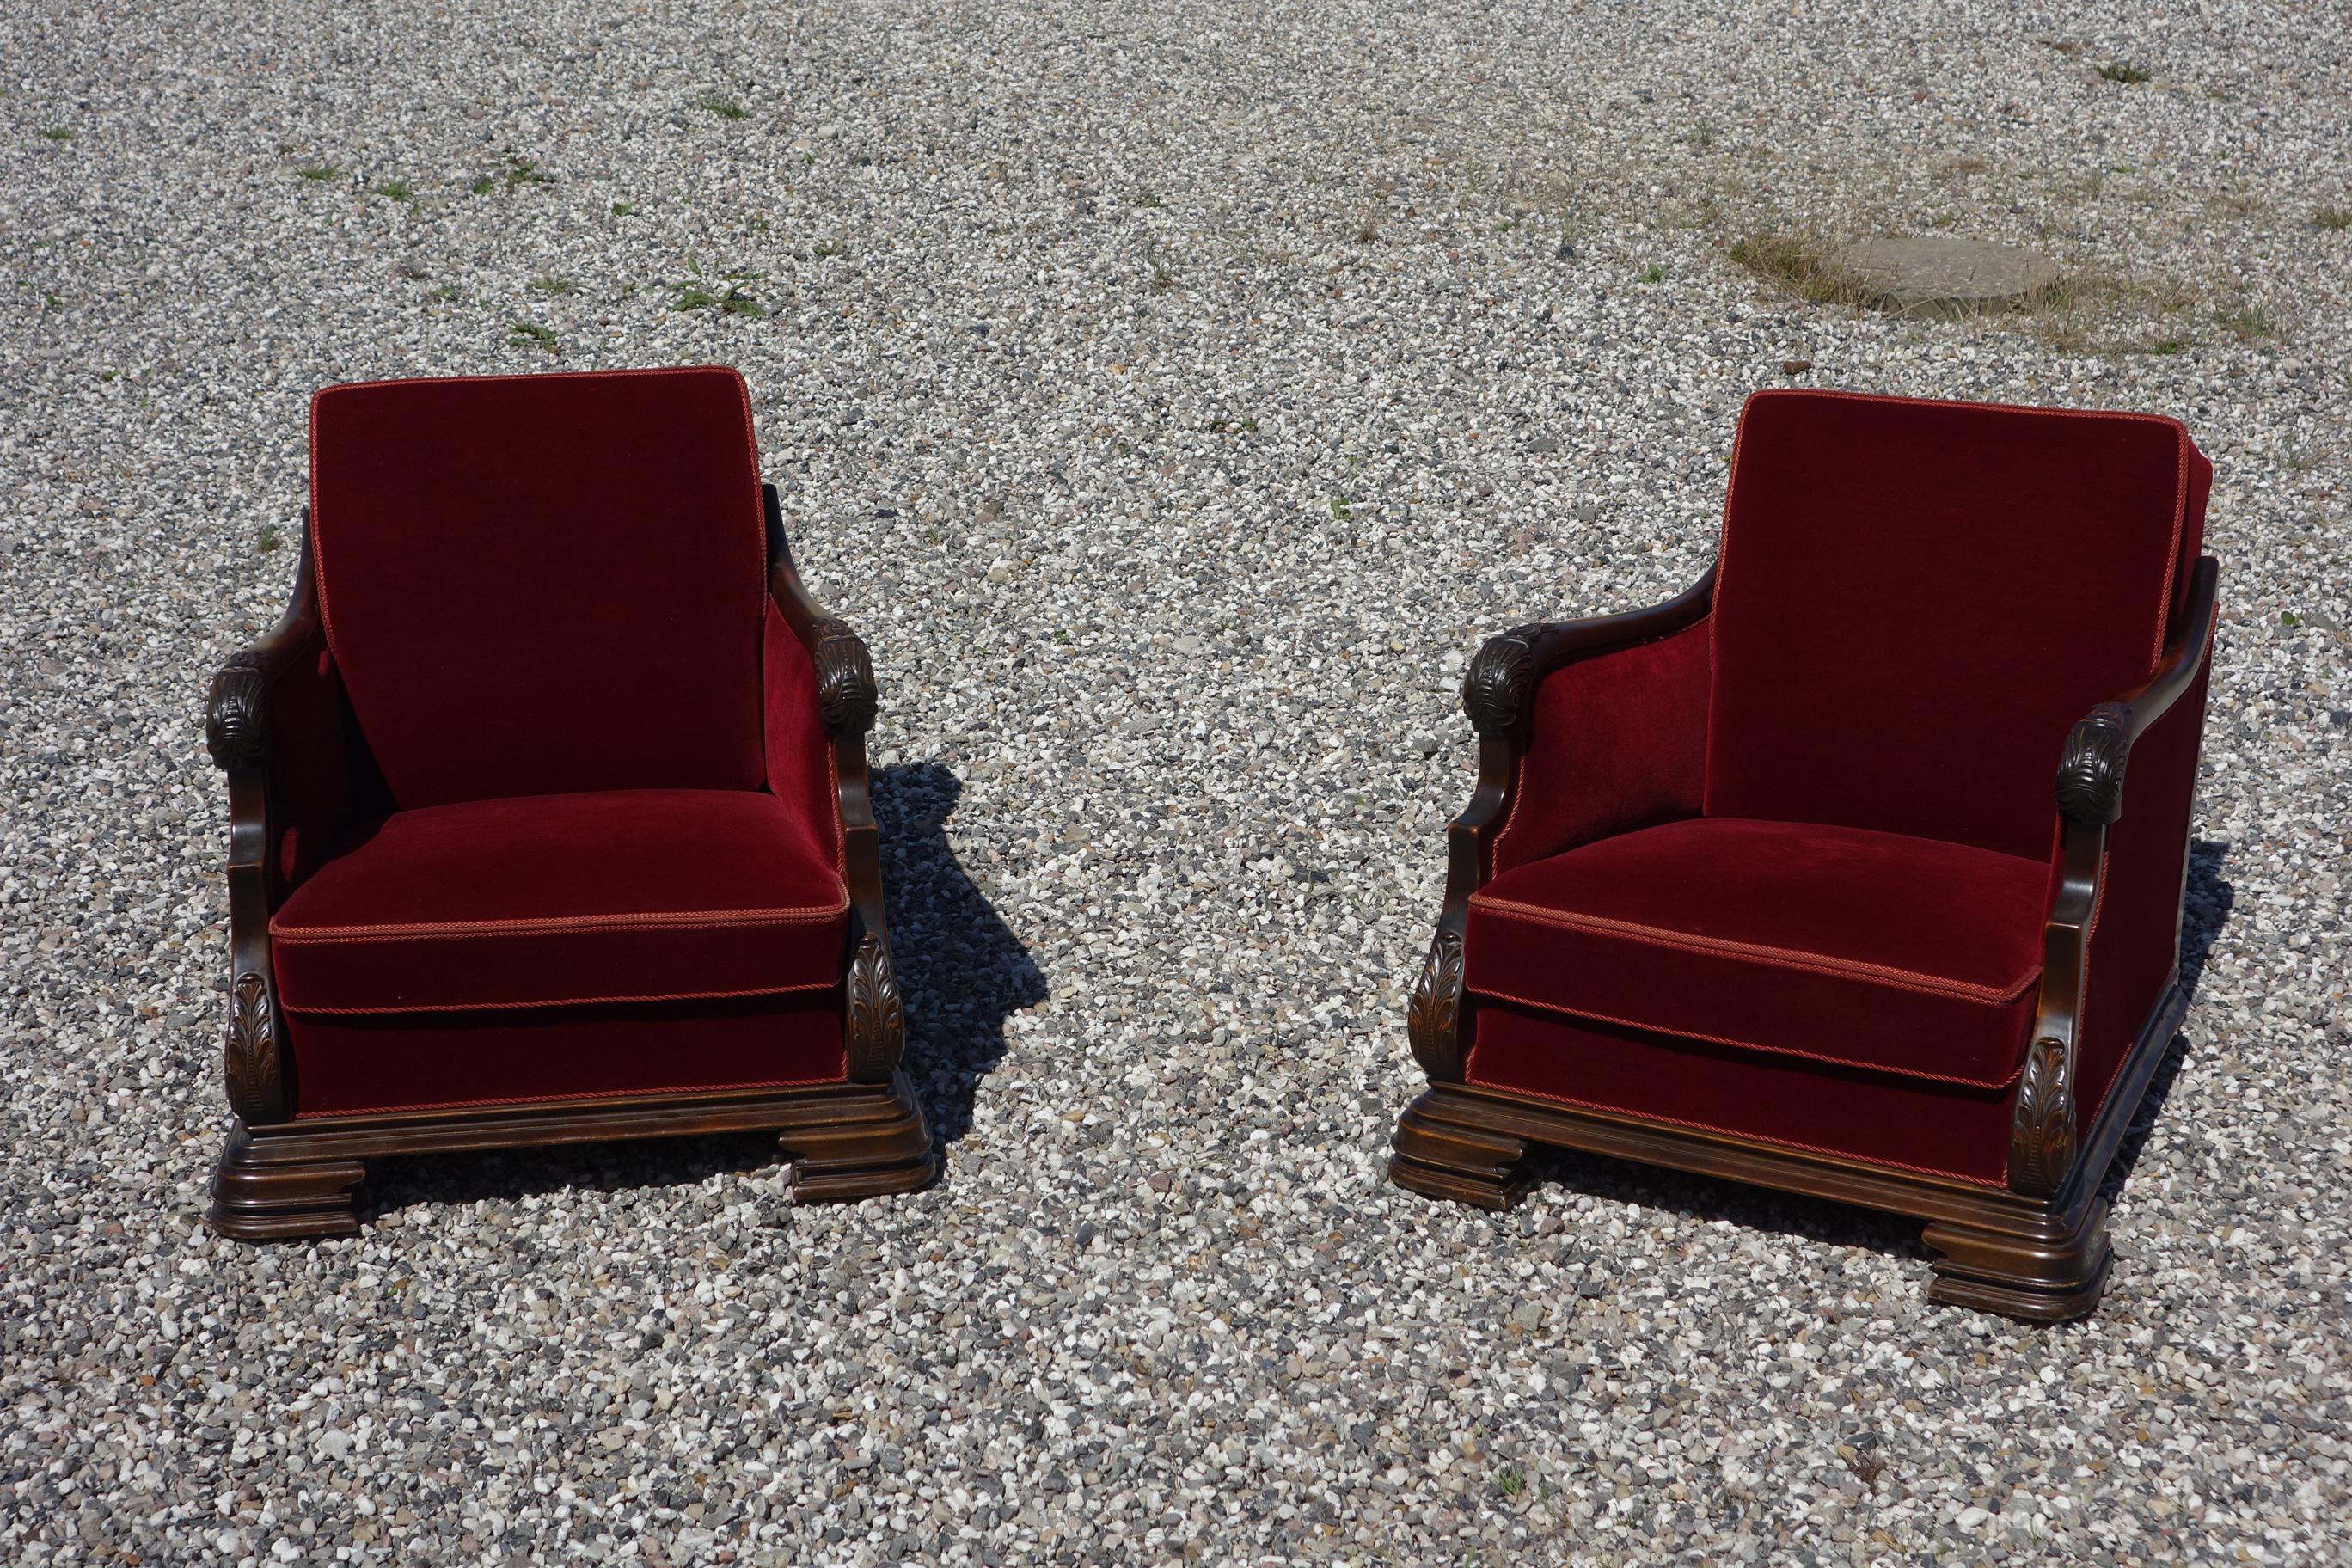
x=2090, y=785
x=236, y=713
x=1498, y=693
x=846, y=697
x=1498, y=689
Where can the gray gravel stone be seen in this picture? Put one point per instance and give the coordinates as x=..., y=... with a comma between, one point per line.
x=1232, y=337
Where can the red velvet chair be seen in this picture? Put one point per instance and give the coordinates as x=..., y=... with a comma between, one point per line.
x=548, y=805
x=1772, y=882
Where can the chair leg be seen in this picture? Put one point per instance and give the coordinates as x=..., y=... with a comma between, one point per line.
x=2044, y=1270
x=876, y=1142
x=262, y=1200
x=1444, y=1158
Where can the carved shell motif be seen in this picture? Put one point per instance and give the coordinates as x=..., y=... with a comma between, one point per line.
x=845, y=695
x=250, y=1057
x=235, y=714
x=1496, y=687
x=1433, y=1021
x=877, y=1034
x=2042, y=1138
x=2091, y=771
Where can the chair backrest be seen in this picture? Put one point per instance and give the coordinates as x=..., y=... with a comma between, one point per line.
x=535, y=584
x=1917, y=600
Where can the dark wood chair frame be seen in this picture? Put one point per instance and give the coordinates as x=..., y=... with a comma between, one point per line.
x=2038, y=1250
x=280, y=1177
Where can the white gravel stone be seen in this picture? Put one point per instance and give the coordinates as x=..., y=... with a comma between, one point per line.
x=1173, y=396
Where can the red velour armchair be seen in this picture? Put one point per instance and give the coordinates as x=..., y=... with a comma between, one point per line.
x=548, y=805
x=1773, y=882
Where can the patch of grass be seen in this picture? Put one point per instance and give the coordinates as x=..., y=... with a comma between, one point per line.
x=2289, y=619
x=57, y=134
x=734, y=303
x=2248, y=325
x=1146, y=198
x=530, y=336
x=1343, y=507
x=1796, y=263
x=521, y=171
x=449, y=292
x=554, y=284
x=725, y=107
x=2124, y=71
x=1702, y=135
x=396, y=189
x=483, y=186
x=830, y=246
x=1245, y=424
x=2167, y=346
x=270, y=539
x=1653, y=273
x=623, y=209
x=317, y=171
x=2328, y=215
x=1510, y=1480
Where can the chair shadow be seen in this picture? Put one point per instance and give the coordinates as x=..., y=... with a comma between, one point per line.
x=2206, y=909
x=960, y=970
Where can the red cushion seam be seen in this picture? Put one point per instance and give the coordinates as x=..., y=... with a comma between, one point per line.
x=569, y=1099
x=1817, y=963
x=1745, y=1045
x=550, y=925
x=559, y=1001
x=1749, y=1137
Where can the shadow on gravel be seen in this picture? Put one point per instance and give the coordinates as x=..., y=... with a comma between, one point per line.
x=2207, y=909
x=962, y=969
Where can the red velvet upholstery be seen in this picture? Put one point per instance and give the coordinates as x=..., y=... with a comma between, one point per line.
x=541, y=583
x=1785, y=875
x=626, y=895
x=1871, y=949
x=1911, y=1124
x=345, y=1063
x=1916, y=600
x=799, y=759
x=2136, y=940
x=1619, y=743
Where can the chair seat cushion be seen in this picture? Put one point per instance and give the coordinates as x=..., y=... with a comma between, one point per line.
x=1870, y=950
x=561, y=900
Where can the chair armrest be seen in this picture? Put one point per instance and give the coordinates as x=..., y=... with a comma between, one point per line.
x=2043, y=1131
x=236, y=705
x=239, y=734
x=875, y=1023
x=2090, y=785
x=1498, y=693
x=847, y=696
x=1500, y=686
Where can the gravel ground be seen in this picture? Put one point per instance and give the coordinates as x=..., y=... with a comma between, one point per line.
x=1174, y=396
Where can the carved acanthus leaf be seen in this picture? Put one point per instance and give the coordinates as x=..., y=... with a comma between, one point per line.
x=845, y=694
x=256, y=1087
x=1433, y=1021
x=876, y=1030
x=2042, y=1136
x=2091, y=771
x=236, y=713
x=1495, y=691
